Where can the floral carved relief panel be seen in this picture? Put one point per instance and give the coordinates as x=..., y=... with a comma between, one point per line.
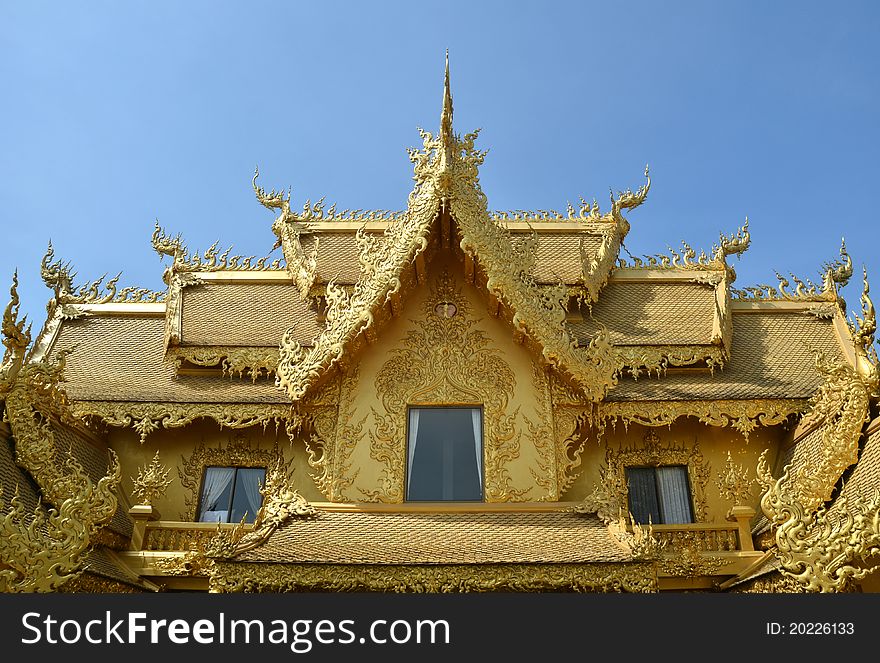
x=446, y=359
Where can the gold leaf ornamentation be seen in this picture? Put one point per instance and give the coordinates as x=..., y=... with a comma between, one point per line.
x=148, y=417
x=823, y=549
x=58, y=277
x=742, y=415
x=436, y=578
x=252, y=362
x=734, y=483
x=654, y=453
x=41, y=551
x=152, y=482
x=210, y=260
x=445, y=360
x=446, y=174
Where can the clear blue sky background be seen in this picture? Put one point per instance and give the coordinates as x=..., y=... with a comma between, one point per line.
x=114, y=114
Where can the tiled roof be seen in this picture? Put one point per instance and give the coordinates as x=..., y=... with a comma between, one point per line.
x=646, y=313
x=771, y=357
x=558, y=256
x=12, y=477
x=338, y=254
x=864, y=480
x=245, y=314
x=122, y=358
x=101, y=562
x=441, y=538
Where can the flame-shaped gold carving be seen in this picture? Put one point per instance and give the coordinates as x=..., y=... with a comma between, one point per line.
x=151, y=483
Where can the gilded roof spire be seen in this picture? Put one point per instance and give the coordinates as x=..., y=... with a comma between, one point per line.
x=446, y=115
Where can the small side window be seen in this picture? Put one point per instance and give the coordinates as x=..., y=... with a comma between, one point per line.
x=230, y=494
x=660, y=495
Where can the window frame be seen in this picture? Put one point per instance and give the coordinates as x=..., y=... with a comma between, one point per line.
x=657, y=492
x=228, y=520
x=480, y=444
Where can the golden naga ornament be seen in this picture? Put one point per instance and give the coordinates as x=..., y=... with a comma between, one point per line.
x=825, y=548
x=41, y=551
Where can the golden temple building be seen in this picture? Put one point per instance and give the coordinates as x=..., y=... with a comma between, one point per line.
x=442, y=399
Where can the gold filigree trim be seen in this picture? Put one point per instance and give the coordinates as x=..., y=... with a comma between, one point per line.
x=835, y=276
x=58, y=277
x=42, y=550
x=654, y=360
x=238, y=361
x=771, y=583
x=445, y=360
x=210, y=260
x=439, y=578
x=148, y=417
x=688, y=560
x=447, y=177
x=824, y=550
x=734, y=483
x=736, y=244
x=744, y=416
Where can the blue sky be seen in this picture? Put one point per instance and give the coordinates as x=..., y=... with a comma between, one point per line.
x=115, y=114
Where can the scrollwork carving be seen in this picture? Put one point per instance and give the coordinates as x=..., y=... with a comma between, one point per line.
x=252, y=362
x=734, y=483
x=255, y=577
x=654, y=453
x=446, y=360
x=824, y=549
x=446, y=173
x=148, y=417
x=744, y=416
x=151, y=483
x=58, y=277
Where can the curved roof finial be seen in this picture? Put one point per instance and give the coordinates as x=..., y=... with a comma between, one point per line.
x=446, y=114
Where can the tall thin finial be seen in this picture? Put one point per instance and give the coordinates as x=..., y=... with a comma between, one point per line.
x=446, y=115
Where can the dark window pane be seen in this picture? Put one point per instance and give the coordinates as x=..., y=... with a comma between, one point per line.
x=247, y=498
x=444, y=456
x=642, y=490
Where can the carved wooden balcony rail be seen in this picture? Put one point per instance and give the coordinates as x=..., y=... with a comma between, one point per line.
x=712, y=537
x=181, y=536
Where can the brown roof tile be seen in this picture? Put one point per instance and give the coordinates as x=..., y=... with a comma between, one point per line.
x=771, y=357
x=441, y=538
x=121, y=358
x=245, y=314
x=102, y=563
x=12, y=477
x=645, y=313
x=338, y=254
x=558, y=256
x=864, y=480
